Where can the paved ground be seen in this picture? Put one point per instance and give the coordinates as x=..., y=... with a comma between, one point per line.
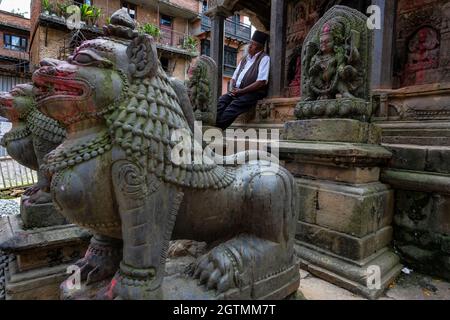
x=413, y=286
x=9, y=206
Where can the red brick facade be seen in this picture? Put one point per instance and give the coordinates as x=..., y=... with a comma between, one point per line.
x=13, y=25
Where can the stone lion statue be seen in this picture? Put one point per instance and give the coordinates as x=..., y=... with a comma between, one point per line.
x=114, y=176
x=31, y=137
x=202, y=90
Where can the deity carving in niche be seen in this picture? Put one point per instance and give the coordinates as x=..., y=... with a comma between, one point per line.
x=423, y=50
x=336, y=59
x=333, y=64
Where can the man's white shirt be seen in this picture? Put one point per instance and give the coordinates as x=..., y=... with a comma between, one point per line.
x=263, y=70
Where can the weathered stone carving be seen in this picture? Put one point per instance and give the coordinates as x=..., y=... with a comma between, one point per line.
x=31, y=137
x=337, y=161
x=423, y=50
x=335, y=67
x=421, y=55
x=203, y=91
x=115, y=175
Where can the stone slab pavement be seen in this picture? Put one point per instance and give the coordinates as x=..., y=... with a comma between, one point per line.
x=412, y=286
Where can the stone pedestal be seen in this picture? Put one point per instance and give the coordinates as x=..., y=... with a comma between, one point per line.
x=270, y=111
x=178, y=285
x=416, y=129
x=344, y=230
x=38, y=258
x=39, y=215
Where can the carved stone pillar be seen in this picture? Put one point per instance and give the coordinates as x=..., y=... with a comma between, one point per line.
x=35, y=260
x=277, y=46
x=217, y=39
x=344, y=232
x=382, y=56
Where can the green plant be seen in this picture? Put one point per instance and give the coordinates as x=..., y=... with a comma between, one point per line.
x=96, y=12
x=62, y=8
x=151, y=29
x=190, y=43
x=47, y=6
x=85, y=12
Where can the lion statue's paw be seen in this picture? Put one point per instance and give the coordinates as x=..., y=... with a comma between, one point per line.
x=101, y=260
x=216, y=270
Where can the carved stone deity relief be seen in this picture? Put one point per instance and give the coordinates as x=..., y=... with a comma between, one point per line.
x=422, y=46
x=336, y=67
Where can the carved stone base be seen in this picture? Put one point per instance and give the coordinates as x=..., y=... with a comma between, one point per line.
x=179, y=285
x=345, y=212
x=422, y=220
x=269, y=111
x=342, y=130
x=39, y=258
x=352, y=108
x=348, y=274
x=39, y=215
x=416, y=129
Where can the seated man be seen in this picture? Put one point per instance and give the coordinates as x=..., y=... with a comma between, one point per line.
x=249, y=83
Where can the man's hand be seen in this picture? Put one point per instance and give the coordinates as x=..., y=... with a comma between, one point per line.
x=236, y=92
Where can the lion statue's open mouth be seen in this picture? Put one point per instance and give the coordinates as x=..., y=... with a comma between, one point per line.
x=6, y=110
x=53, y=84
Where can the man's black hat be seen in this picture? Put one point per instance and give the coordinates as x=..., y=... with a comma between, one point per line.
x=260, y=37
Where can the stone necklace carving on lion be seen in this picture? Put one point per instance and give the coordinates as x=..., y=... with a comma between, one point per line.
x=114, y=176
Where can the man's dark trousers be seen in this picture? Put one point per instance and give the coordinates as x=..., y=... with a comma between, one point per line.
x=229, y=107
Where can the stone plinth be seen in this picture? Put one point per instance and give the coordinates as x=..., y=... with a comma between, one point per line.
x=271, y=111
x=39, y=215
x=344, y=226
x=422, y=220
x=416, y=129
x=38, y=258
x=179, y=285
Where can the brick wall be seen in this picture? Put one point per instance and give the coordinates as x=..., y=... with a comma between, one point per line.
x=35, y=10
x=7, y=23
x=39, y=50
x=12, y=53
x=193, y=5
x=14, y=19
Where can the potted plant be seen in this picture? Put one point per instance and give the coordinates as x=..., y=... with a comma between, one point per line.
x=190, y=44
x=96, y=12
x=151, y=29
x=47, y=7
x=85, y=13
x=62, y=8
